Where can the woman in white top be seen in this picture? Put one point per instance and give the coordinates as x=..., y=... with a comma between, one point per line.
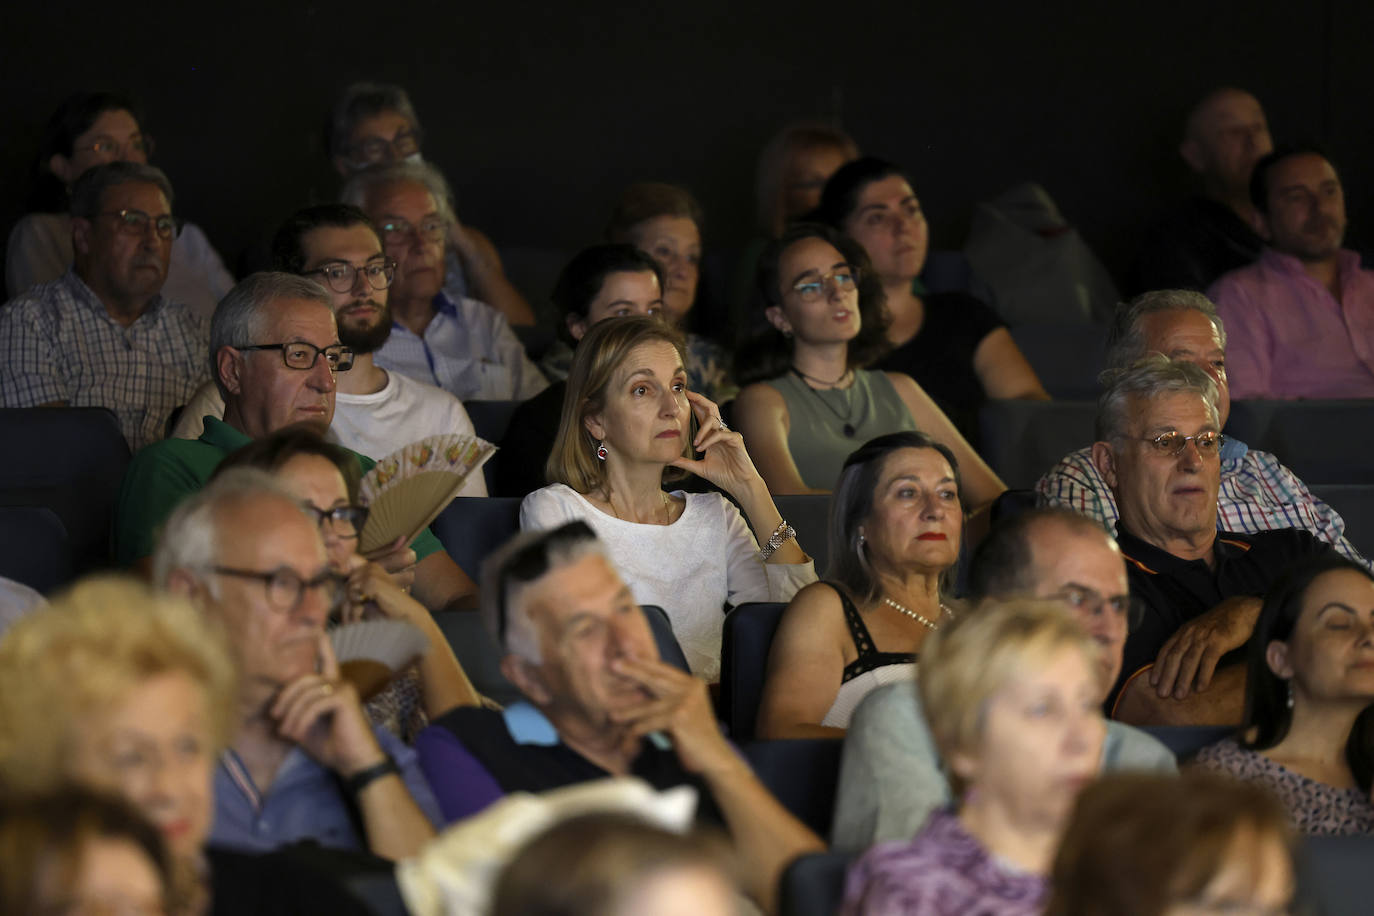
x=627, y=419
x=896, y=523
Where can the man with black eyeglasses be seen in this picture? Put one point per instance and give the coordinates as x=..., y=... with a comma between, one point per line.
x=1159, y=450
x=102, y=334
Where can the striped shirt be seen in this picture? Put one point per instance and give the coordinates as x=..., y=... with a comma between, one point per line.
x=58, y=343
x=1257, y=494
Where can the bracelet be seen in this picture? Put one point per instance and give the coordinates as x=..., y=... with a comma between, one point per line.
x=780, y=534
x=364, y=778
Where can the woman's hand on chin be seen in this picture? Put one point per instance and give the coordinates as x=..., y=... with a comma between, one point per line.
x=724, y=460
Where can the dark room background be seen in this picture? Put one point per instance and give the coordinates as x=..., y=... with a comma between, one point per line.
x=539, y=114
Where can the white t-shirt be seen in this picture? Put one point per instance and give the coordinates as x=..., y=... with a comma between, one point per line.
x=690, y=568
x=374, y=425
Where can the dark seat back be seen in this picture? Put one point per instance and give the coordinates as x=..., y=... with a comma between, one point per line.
x=472, y=527
x=1186, y=740
x=1325, y=441
x=34, y=547
x=1066, y=357
x=745, y=643
x=1333, y=875
x=802, y=774
x=1024, y=439
x=809, y=513
x=1355, y=503
x=813, y=885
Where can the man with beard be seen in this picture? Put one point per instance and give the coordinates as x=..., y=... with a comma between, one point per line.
x=1301, y=319
x=375, y=411
x=102, y=335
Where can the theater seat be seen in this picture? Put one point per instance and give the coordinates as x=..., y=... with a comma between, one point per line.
x=34, y=547
x=802, y=774
x=1334, y=875
x=1355, y=503
x=471, y=528
x=1024, y=439
x=491, y=418
x=809, y=513
x=813, y=885
x=1325, y=441
x=1066, y=357
x=747, y=637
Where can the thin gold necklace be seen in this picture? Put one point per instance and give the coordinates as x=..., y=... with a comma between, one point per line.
x=919, y=618
x=667, y=515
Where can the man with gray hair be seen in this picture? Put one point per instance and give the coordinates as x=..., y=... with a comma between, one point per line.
x=576, y=644
x=1257, y=492
x=274, y=350
x=304, y=764
x=458, y=344
x=1159, y=449
x=102, y=335
x=373, y=124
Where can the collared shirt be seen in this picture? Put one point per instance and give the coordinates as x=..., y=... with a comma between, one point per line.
x=467, y=349
x=304, y=802
x=1288, y=337
x=1257, y=494
x=1175, y=591
x=59, y=343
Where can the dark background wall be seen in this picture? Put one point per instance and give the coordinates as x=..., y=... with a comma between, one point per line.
x=539, y=114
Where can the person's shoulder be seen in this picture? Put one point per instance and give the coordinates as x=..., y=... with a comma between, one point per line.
x=475, y=724
x=1278, y=541
x=556, y=501
x=890, y=709
x=814, y=606
x=759, y=395
x=1129, y=748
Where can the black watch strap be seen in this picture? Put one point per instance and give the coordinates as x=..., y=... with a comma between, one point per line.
x=364, y=778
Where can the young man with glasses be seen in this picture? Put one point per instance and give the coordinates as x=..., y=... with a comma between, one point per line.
x=102, y=334
x=376, y=411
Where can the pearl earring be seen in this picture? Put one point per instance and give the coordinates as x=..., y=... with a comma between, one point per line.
x=1290, y=695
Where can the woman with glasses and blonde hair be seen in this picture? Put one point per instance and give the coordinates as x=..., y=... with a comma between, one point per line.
x=627, y=428
x=812, y=399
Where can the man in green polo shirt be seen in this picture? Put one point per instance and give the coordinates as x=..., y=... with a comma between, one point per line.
x=274, y=350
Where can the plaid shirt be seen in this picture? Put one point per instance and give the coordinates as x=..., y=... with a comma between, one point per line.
x=59, y=344
x=1257, y=494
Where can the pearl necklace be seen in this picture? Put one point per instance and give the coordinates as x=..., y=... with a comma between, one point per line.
x=919, y=618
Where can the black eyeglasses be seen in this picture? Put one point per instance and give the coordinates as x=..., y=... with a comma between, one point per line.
x=343, y=521
x=379, y=149
x=341, y=276
x=301, y=355
x=135, y=222
x=531, y=561
x=1090, y=601
x=1173, y=443
x=286, y=587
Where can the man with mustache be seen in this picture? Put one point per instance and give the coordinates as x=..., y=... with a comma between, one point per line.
x=102, y=335
x=375, y=411
x=1301, y=319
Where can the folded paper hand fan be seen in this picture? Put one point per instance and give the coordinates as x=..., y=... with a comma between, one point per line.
x=372, y=652
x=409, y=488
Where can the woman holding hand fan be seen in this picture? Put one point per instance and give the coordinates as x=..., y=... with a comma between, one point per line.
x=325, y=478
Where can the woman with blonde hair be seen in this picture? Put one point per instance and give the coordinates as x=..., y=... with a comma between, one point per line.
x=626, y=428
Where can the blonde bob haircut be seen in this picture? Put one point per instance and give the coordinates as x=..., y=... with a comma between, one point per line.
x=599, y=357
x=78, y=658
x=975, y=656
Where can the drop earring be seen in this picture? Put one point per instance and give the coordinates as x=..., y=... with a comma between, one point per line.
x=1289, y=702
x=601, y=451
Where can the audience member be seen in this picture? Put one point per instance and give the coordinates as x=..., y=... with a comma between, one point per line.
x=664, y=222
x=600, y=282
x=86, y=130
x=1310, y=676
x=74, y=851
x=304, y=762
x=808, y=396
x=1257, y=492
x=627, y=419
x=577, y=646
x=955, y=347
x=266, y=344
x=102, y=335
x=324, y=478
x=896, y=521
x=891, y=773
x=1159, y=450
x=1214, y=231
x=792, y=171
x=1012, y=693
x=1302, y=317
x=373, y=124
x=459, y=344
x=1140, y=845
x=615, y=865
x=375, y=411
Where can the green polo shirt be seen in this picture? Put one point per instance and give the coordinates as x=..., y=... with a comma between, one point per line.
x=163, y=474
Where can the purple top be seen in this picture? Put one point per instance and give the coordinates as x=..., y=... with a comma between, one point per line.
x=1288, y=337
x=1316, y=808
x=942, y=871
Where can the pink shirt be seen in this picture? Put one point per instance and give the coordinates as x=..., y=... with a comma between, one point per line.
x=1287, y=337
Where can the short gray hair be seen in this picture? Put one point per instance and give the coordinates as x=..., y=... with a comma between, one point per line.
x=1126, y=338
x=1149, y=378
x=519, y=565
x=363, y=100
x=190, y=536
x=243, y=312
x=88, y=193
x=360, y=184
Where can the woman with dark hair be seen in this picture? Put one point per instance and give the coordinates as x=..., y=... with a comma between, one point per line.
x=953, y=345
x=1309, y=685
x=600, y=282
x=88, y=129
x=812, y=398
x=896, y=520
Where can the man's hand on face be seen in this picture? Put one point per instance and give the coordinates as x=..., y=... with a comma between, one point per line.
x=1188, y=660
x=680, y=706
x=322, y=713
